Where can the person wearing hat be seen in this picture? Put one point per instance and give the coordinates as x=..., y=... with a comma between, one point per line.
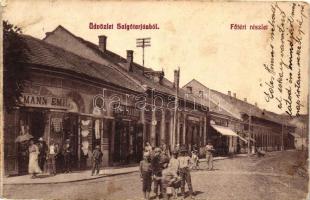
x=184, y=171
x=96, y=160
x=173, y=162
x=67, y=153
x=209, y=155
x=157, y=167
x=42, y=153
x=146, y=175
x=52, y=154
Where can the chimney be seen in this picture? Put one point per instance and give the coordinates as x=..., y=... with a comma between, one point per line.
x=176, y=78
x=235, y=96
x=245, y=100
x=255, y=104
x=129, y=60
x=229, y=93
x=102, y=43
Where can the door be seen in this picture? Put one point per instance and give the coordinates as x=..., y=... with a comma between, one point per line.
x=70, y=131
x=11, y=132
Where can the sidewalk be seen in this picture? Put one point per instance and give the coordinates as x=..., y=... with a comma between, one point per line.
x=66, y=178
x=80, y=175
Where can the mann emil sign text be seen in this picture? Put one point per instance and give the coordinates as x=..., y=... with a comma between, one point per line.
x=31, y=100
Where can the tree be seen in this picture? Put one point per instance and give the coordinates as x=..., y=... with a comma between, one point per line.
x=14, y=72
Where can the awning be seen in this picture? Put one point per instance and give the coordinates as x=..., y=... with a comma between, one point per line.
x=245, y=140
x=294, y=134
x=224, y=130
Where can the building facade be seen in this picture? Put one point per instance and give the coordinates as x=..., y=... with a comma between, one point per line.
x=239, y=122
x=97, y=98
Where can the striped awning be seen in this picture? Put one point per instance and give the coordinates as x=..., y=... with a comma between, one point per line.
x=226, y=131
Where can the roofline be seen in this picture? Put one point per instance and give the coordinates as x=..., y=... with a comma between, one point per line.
x=194, y=80
x=83, y=40
x=77, y=75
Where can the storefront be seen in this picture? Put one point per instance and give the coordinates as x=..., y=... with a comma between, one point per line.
x=56, y=119
x=193, y=133
x=128, y=136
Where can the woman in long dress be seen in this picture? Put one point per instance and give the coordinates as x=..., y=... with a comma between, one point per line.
x=33, y=166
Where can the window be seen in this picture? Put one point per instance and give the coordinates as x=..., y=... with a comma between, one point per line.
x=189, y=89
x=201, y=94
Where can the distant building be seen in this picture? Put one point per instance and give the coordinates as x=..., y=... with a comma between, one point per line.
x=301, y=136
x=232, y=120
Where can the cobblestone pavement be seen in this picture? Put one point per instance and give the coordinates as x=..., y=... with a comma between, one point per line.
x=273, y=177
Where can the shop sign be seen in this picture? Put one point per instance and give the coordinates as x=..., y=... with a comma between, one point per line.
x=126, y=111
x=193, y=118
x=32, y=100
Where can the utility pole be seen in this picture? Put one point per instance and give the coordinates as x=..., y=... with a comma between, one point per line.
x=174, y=132
x=282, y=135
x=143, y=42
x=249, y=135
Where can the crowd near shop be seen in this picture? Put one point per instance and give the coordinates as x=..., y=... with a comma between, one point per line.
x=84, y=101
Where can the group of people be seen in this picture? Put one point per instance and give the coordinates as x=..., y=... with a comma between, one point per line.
x=42, y=155
x=170, y=173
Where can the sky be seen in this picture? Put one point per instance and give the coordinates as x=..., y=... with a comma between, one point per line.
x=195, y=36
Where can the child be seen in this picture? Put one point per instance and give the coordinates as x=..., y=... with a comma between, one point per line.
x=184, y=165
x=195, y=160
x=174, y=168
x=171, y=182
x=96, y=159
x=146, y=175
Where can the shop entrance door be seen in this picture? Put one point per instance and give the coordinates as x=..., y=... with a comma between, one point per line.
x=128, y=142
x=70, y=131
x=32, y=121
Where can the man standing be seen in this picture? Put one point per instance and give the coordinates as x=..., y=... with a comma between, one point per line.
x=42, y=153
x=209, y=155
x=52, y=153
x=67, y=152
x=96, y=160
x=157, y=168
x=184, y=170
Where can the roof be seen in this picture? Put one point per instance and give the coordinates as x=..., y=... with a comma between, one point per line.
x=41, y=53
x=238, y=107
x=166, y=86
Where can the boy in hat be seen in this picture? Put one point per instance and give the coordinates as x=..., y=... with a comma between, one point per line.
x=96, y=160
x=157, y=171
x=184, y=170
x=67, y=152
x=146, y=175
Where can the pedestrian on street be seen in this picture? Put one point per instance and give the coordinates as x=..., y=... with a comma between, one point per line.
x=157, y=172
x=33, y=165
x=146, y=175
x=184, y=164
x=195, y=159
x=96, y=160
x=67, y=153
x=170, y=181
x=174, y=162
x=52, y=154
x=148, y=148
x=209, y=155
x=43, y=151
x=174, y=167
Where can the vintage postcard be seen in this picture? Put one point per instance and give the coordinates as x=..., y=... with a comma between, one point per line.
x=154, y=100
